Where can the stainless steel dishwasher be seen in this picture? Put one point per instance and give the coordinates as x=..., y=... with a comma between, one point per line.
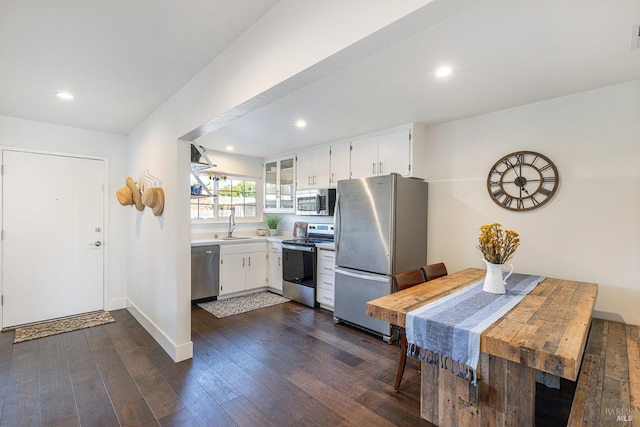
x=205, y=272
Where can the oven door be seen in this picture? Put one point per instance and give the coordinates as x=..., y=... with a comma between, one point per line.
x=299, y=264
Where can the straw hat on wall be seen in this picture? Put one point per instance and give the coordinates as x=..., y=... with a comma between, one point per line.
x=124, y=196
x=135, y=193
x=154, y=198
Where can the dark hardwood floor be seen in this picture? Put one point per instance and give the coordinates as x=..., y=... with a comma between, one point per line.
x=286, y=365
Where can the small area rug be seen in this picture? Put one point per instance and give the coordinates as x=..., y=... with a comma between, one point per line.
x=238, y=305
x=59, y=326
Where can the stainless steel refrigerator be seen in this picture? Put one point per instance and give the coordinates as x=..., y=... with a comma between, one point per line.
x=380, y=230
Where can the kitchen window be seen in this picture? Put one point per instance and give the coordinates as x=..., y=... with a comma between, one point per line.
x=225, y=194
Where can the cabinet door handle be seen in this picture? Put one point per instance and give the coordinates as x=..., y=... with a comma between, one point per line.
x=381, y=168
x=242, y=262
x=249, y=261
x=278, y=261
x=373, y=168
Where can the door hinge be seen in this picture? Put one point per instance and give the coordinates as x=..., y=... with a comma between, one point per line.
x=1, y=169
x=1, y=299
x=2, y=235
x=409, y=136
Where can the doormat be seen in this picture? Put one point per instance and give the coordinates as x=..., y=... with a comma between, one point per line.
x=59, y=326
x=238, y=305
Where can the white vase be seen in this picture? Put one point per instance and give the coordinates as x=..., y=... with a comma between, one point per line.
x=494, y=281
x=273, y=231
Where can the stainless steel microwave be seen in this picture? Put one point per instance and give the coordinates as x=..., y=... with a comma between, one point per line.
x=315, y=201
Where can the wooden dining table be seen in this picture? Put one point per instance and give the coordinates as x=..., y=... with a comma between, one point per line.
x=546, y=331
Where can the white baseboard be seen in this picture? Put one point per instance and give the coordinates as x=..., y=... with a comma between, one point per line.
x=177, y=352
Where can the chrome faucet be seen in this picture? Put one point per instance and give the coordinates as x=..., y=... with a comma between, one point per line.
x=232, y=224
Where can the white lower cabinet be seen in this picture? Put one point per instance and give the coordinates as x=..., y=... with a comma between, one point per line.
x=275, y=267
x=326, y=278
x=243, y=267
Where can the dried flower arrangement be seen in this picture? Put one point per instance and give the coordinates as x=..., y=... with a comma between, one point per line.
x=497, y=245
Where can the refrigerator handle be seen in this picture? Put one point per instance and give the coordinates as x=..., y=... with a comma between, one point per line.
x=318, y=203
x=337, y=220
x=376, y=278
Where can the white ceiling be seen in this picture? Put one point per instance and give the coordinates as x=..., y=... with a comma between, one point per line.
x=504, y=53
x=122, y=59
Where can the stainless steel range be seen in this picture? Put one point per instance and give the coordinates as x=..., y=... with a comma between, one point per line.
x=299, y=264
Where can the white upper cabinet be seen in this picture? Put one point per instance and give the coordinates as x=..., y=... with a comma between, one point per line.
x=400, y=150
x=279, y=185
x=340, y=162
x=364, y=157
x=394, y=153
x=312, y=168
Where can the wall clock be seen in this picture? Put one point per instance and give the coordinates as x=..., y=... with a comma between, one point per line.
x=522, y=181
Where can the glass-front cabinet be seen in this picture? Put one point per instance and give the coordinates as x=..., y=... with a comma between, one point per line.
x=279, y=185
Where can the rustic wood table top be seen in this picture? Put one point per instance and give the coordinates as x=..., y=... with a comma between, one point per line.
x=547, y=330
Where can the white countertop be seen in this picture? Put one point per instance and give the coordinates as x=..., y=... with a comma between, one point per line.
x=244, y=239
x=220, y=240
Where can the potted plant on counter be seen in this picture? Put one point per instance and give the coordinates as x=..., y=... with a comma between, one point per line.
x=272, y=221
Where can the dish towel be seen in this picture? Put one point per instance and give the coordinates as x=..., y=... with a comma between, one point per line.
x=448, y=330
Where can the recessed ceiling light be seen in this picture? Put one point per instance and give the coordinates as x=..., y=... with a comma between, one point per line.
x=64, y=95
x=301, y=124
x=229, y=148
x=443, y=71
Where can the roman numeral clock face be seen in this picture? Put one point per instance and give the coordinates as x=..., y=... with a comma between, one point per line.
x=522, y=181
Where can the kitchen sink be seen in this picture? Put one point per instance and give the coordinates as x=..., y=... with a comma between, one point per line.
x=236, y=238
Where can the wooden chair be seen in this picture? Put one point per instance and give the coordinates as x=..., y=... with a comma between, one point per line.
x=406, y=280
x=433, y=271
x=402, y=281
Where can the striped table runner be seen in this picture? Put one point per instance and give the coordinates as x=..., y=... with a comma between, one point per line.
x=448, y=330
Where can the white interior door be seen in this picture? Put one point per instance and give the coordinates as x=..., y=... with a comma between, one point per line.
x=52, y=222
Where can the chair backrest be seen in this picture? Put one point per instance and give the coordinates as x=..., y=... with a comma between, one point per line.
x=433, y=271
x=407, y=279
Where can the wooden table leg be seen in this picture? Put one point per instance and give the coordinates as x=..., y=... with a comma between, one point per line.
x=504, y=395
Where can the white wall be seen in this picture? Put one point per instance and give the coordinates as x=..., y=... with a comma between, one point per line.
x=32, y=135
x=589, y=231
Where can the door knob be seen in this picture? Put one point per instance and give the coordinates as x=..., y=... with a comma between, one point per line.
x=96, y=243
